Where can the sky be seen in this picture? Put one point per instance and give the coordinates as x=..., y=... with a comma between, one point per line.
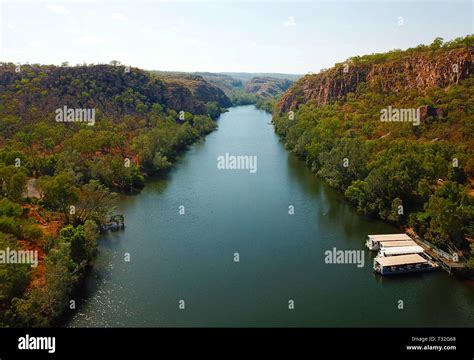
x=253, y=36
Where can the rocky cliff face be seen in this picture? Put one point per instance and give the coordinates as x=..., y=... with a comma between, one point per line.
x=267, y=86
x=420, y=71
x=191, y=92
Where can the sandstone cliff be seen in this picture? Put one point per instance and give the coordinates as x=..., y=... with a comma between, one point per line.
x=418, y=70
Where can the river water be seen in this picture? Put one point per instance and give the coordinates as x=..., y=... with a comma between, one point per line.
x=191, y=257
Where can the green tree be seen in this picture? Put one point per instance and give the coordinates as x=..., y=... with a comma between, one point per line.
x=60, y=193
x=95, y=202
x=451, y=212
x=12, y=181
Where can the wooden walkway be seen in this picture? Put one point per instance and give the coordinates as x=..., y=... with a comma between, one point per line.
x=445, y=263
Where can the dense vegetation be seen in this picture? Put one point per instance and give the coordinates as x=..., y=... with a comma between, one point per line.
x=241, y=97
x=267, y=104
x=417, y=176
x=142, y=122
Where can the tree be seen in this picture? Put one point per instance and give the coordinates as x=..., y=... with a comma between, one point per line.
x=451, y=212
x=157, y=109
x=12, y=181
x=60, y=193
x=91, y=234
x=437, y=43
x=75, y=237
x=395, y=213
x=95, y=202
x=160, y=162
x=83, y=241
x=212, y=109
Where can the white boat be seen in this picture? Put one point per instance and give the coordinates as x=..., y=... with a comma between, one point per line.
x=391, y=265
x=373, y=242
x=400, y=250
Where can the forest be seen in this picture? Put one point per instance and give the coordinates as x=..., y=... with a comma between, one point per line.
x=59, y=180
x=417, y=177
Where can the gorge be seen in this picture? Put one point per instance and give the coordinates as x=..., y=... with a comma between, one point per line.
x=153, y=145
x=281, y=253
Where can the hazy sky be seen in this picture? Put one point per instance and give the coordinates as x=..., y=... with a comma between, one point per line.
x=252, y=36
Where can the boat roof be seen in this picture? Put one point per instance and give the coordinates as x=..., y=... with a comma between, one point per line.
x=386, y=244
x=389, y=237
x=400, y=260
x=403, y=250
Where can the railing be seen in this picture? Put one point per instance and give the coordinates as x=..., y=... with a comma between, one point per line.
x=450, y=257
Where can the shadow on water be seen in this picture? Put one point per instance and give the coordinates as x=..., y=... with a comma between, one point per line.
x=297, y=169
x=87, y=287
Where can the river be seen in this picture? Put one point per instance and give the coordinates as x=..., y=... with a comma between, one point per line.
x=191, y=257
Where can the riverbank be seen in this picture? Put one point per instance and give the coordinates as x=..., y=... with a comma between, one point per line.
x=79, y=210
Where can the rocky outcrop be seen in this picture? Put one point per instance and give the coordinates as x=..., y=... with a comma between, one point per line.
x=191, y=92
x=424, y=71
x=267, y=86
x=415, y=70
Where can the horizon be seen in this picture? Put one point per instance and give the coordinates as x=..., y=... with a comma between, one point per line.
x=237, y=37
x=224, y=72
